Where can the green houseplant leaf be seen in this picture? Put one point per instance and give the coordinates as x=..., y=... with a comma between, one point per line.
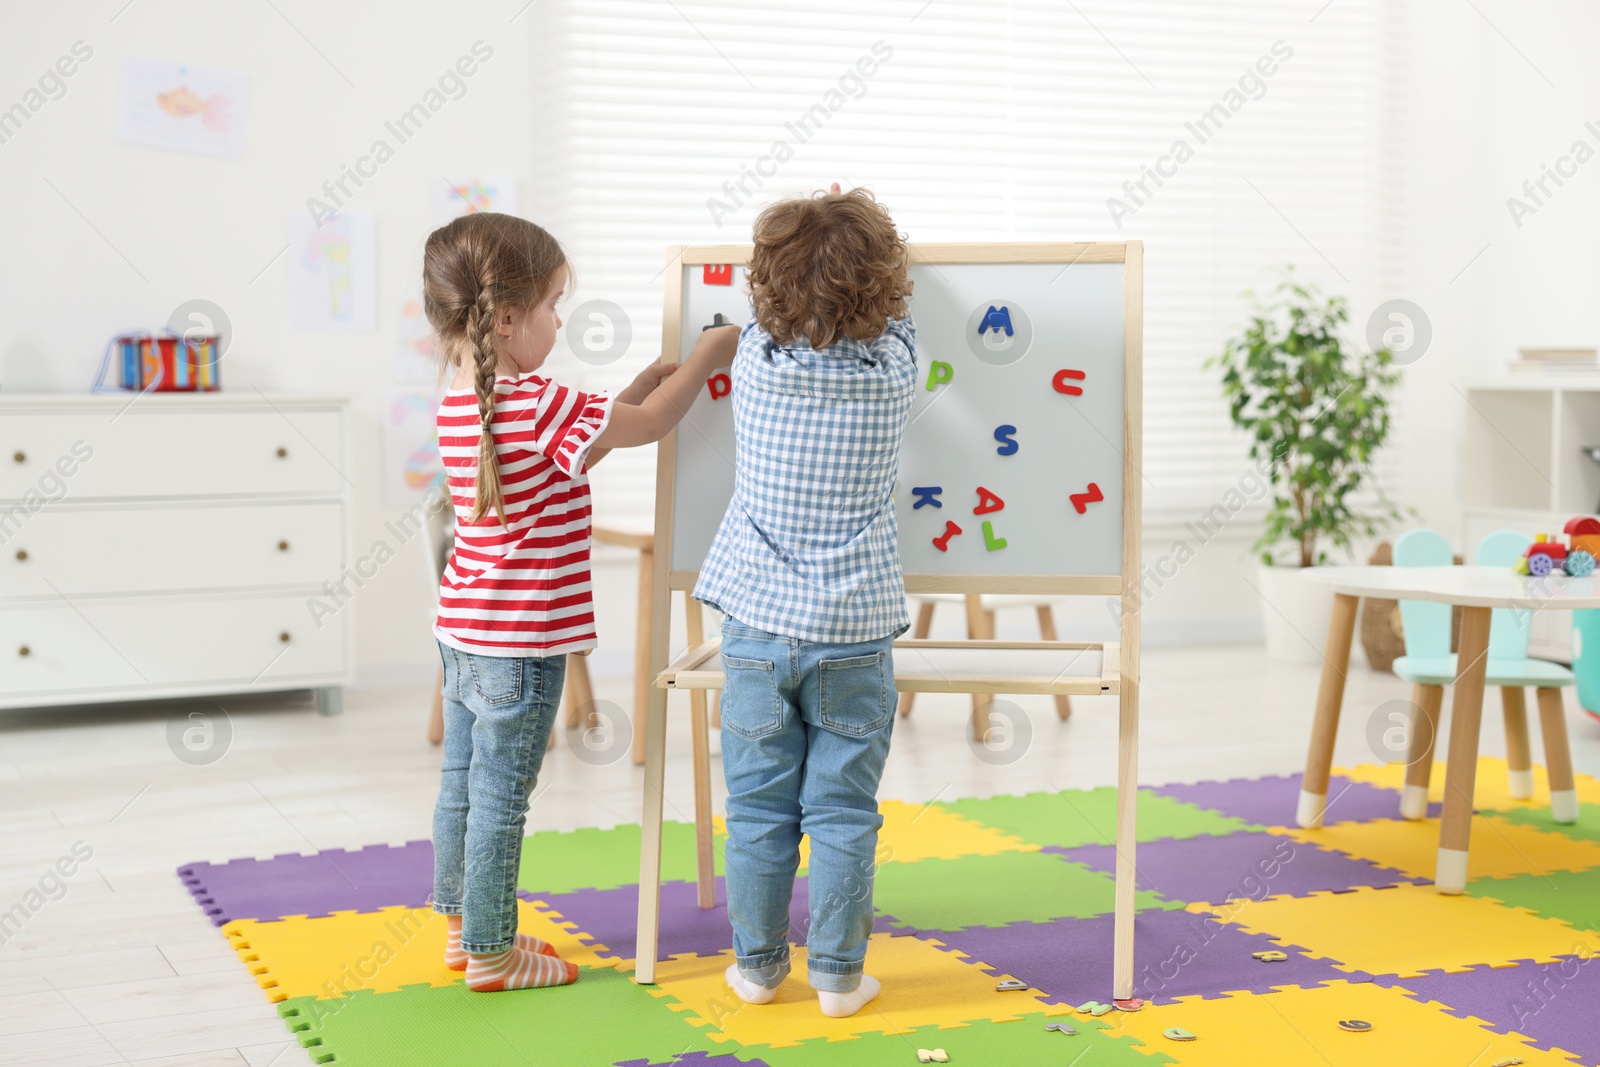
x=1316, y=411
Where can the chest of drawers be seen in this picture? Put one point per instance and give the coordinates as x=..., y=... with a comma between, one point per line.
x=171, y=545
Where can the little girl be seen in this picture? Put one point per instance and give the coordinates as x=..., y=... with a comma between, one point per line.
x=515, y=597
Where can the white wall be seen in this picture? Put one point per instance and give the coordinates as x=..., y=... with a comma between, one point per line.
x=197, y=227
x=1490, y=98
x=1473, y=119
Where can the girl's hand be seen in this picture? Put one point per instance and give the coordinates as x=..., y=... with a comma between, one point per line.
x=647, y=382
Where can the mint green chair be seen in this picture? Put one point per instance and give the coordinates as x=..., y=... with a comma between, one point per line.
x=1429, y=666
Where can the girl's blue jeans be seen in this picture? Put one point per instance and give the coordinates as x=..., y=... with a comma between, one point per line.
x=805, y=732
x=498, y=712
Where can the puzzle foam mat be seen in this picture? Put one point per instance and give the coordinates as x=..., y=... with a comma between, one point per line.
x=972, y=893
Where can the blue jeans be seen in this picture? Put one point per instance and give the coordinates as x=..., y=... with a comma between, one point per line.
x=805, y=732
x=498, y=712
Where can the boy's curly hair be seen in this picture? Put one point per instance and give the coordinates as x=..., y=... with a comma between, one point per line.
x=827, y=267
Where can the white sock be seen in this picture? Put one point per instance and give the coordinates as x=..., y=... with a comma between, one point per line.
x=747, y=990
x=844, y=1005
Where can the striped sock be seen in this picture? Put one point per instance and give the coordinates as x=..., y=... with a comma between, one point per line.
x=516, y=969
x=455, y=957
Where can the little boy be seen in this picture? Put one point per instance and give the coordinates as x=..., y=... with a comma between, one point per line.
x=806, y=567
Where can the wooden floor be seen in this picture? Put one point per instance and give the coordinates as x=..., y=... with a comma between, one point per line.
x=123, y=968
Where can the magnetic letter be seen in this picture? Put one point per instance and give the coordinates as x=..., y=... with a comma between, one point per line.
x=925, y=495
x=717, y=274
x=939, y=372
x=720, y=385
x=942, y=542
x=1006, y=435
x=987, y=502
x=990, y=541
x=1063, y=377
x=1081, y=501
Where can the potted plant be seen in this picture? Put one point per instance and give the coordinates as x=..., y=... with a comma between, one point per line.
x=1317, y=411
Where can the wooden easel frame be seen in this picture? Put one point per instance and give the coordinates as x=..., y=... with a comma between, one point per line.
x=696, y=670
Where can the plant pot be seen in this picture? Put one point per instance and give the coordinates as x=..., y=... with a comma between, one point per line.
x=1294, y=614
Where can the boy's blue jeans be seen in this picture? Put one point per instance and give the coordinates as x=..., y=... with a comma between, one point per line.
x=498, y=712
x=805, y=732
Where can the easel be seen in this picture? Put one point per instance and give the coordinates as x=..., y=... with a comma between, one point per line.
x=1058, y=668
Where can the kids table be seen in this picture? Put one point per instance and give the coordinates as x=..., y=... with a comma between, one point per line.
x=1478, y=591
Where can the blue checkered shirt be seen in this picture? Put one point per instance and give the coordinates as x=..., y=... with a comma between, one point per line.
x=809, y=545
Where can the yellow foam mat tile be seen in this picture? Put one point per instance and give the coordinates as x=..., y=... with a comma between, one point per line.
x=923, y=984
x=1500, y=848
x=1295, y=1026
x=1491, y=790
x=333, y=955
x=914, y=832
x=1406, y=929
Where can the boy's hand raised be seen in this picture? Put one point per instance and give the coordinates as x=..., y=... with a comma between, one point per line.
x=716, y=347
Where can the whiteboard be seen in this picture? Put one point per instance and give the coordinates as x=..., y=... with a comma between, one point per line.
x=1066, y=315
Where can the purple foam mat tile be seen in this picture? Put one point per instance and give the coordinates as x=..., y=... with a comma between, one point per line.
x=1242, y=865
x=611, y=916
x=1180, y=954
x=696, y=1059
x=1553, y=1004
x=1271, y=801
x=319, y=884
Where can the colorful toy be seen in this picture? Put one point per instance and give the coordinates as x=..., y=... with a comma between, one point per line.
x=717, y=274
x=927, y=494
x=720, y=385
x=1095, y=1008
x=1081, y=501
x=1060, y=1028
x=990, y=541
x=942, y=542
x=1174, y=1033
x=1550, y=556
x=939, y=372
x=987, y=502
x=1355, y=1026
x=1065, y=375
x=1011, y=985
x=162, y=363
x=1007, y=436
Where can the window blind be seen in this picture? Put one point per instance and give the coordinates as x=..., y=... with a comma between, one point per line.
x=660, y=122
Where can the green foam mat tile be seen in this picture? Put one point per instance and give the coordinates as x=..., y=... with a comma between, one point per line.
x=1075, y=817
x=1587, y=828
x=599, y=1020
x=1572, y=896
x=561, y=861
x=953, y=894
x=1023, y=1042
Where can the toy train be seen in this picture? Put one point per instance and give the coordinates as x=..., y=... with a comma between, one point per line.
x=1547, y=555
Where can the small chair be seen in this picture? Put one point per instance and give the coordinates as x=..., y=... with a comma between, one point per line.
x=1429, y=665
x=980, y=625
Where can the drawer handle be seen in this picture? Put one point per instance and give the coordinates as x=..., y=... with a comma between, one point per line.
x=283, y=546
x=19, y=456
x=22, y=555
x=284, y=637
x=283, y=453
x=24, y=651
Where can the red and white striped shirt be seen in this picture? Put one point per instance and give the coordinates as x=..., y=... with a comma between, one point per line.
x=522, y=589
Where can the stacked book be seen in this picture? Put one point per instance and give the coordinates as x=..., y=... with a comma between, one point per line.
x=1554, y=361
